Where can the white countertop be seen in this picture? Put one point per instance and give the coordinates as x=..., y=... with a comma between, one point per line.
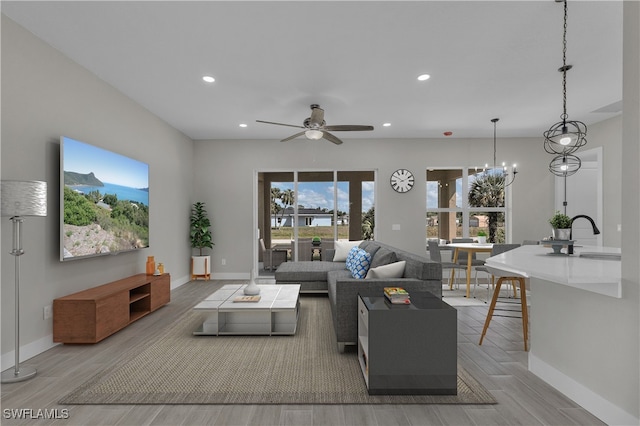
x=602, y=276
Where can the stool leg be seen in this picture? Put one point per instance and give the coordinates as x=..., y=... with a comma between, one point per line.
x=525, y=314
x=494, y=299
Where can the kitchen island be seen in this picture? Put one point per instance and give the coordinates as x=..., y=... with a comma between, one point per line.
x=580, y=321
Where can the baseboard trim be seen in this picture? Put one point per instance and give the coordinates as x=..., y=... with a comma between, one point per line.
x=175, y=283
x=231, y=276
x=28, y=351
x=603, y=409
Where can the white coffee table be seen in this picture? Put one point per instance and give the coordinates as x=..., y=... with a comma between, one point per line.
x=275, y=314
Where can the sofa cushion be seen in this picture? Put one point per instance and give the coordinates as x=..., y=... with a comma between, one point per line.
x=358, y=262
x=383, y=256
x=342, y=249
x=392, y=270
x=370, y=247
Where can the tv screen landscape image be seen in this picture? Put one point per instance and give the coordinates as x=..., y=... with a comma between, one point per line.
x=104, y=201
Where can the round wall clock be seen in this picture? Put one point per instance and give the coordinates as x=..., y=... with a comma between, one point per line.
x=402, y=180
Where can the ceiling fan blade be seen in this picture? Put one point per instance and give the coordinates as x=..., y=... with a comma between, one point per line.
x=317, y=116
x=328, y=136
x=347, y=127
x=280, y=124
x=292, y=137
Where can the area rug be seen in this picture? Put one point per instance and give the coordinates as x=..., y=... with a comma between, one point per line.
x=180, y=368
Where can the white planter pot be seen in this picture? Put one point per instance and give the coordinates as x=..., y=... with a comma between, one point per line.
x=200, y=267
x=482, y=240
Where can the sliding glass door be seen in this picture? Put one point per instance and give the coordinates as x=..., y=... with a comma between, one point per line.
x=296, y=207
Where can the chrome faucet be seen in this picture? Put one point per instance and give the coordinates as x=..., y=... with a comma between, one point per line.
x=596, y=231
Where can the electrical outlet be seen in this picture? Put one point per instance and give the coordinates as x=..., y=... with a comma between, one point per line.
x=47, y=312
x=224, y=262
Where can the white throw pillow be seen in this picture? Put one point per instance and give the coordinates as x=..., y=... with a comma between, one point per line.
x=342, y=249
x=392, y=270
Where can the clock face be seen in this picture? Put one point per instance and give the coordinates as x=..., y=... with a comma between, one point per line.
x=402, y=180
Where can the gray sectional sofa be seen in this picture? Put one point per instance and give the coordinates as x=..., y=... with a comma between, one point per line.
x=420, y=274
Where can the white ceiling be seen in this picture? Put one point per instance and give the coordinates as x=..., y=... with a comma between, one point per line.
x=359, y=60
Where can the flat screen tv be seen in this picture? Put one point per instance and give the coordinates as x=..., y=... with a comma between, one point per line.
x=104, y=201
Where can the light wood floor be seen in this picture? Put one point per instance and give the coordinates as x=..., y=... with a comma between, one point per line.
x=499, y=364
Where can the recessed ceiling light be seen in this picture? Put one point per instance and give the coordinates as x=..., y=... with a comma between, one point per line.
x=208, y=79
x=243, y=125
x=386, y=124
x=423, y=77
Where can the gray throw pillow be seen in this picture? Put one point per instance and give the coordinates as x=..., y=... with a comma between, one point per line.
x=383, y=256
x=369, y=247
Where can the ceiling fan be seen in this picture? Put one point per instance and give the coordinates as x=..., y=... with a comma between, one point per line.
x=316, y=128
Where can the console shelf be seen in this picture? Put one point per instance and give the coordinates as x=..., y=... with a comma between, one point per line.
x=91, y=315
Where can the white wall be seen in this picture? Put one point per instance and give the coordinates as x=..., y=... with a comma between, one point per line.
x=44, y=96
x=631, y=211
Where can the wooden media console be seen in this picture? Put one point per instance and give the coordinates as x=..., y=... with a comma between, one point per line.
x=96, y=313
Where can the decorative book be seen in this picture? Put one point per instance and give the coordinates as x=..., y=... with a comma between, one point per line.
x=395, y=292
x=247, y=299
x=399, y=301
x=397, y=295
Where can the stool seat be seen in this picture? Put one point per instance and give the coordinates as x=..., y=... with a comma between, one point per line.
x=508, y=276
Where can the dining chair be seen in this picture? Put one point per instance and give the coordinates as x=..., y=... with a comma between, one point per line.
x=465, y=260
x=436, y=256
x=495, y=250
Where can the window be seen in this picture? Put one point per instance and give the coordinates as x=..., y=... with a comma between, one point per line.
x=461, y=202
x=295, y=206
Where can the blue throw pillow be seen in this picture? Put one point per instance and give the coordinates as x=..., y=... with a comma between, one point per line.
x=351, y=256
x=358, y=262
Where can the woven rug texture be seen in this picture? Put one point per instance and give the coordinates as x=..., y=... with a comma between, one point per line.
x=179, y=368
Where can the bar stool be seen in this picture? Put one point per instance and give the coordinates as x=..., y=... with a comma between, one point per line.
x=508, y=276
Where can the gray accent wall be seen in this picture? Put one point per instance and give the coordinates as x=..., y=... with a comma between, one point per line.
x=46, y=95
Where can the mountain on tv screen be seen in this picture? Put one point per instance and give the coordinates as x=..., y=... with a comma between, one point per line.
x=104, y=201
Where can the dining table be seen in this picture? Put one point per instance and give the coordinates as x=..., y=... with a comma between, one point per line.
x=470, y=249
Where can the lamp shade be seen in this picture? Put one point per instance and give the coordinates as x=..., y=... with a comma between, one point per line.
x=23, y=198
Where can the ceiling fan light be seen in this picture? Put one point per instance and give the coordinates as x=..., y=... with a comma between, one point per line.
x=314, y=134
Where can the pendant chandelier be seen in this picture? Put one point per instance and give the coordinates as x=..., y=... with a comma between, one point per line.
x=567, y=136
x=505, y=173
x=565, y=165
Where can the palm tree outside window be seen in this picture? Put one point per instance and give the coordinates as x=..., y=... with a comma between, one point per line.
x=460, y=202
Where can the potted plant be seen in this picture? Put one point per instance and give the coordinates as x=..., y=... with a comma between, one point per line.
x=201, y=238
x=481, y=237
x=561, y=224
x=316, y=241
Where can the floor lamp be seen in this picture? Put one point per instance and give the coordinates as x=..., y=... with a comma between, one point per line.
x=21, y=198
